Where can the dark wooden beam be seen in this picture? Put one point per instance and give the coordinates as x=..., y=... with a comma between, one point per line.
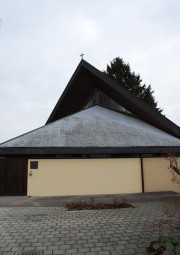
x=88, y=150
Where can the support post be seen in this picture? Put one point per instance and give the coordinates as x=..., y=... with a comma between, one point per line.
x=142, y=173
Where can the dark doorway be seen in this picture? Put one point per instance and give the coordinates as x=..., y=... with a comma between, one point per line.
x=13, y=176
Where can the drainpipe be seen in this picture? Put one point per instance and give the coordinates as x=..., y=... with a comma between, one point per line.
x=142, y=173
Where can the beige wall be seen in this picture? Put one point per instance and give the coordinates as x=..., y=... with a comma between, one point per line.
x=55, y=177
x=157, y=176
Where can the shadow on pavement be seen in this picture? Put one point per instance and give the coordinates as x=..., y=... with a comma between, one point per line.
x=14, y=201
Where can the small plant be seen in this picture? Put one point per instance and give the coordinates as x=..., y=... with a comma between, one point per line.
x=164, y=245
x=169, y=225
x=169, y=232
x=84, y=205
x=74, y=205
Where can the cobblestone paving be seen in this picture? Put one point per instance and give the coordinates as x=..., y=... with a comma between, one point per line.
x=53, y=230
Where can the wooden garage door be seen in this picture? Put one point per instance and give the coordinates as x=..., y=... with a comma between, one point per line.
x=13, y=176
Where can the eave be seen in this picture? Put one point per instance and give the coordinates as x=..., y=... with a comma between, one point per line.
x=24, y=151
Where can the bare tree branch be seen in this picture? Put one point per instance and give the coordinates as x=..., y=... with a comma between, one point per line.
x=175, y=168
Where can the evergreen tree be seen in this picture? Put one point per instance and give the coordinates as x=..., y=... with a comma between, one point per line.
x=121, y=72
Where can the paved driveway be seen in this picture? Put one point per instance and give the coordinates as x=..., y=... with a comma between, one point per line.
x=54, y=230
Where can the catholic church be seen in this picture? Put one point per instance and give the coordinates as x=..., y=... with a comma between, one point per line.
x=99, y=139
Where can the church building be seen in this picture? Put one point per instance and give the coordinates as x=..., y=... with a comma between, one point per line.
x=99, y=139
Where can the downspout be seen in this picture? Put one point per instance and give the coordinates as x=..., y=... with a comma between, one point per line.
x=142, y=173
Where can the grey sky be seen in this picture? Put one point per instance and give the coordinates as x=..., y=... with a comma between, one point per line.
x=41, y=40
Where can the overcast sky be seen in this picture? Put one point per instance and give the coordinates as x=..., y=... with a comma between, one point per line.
x=41, y=40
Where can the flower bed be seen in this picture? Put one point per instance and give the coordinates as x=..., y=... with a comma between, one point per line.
x=85, y=205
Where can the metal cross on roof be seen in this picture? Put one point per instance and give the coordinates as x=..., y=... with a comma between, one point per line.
x=82, y=54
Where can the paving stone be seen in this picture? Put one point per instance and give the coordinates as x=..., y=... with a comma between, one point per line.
x=81, y=241
x=17, y=249
x=25, y=244
x=48, y=244
x=54, y=247
x=53, y=230
x=107, y=248
x=58, y=252
x=65, y=246
x=76, y=246
x=8, y=253
x=93, y=241
x=71, y=251
x=80, y=250
x=3, y=249
x=4, y=244
x=71, y=242
x=103, y=253
x=28, y=249
x=88, y=245
x=91, y=253
x=41, y=248
x=48, y=253
x=96, y=249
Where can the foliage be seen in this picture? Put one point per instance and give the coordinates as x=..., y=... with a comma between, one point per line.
x=169, y=228
x=164, y=245
x=85, y=205
x=121, y=72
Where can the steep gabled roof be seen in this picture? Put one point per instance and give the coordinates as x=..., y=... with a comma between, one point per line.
x=86, y=79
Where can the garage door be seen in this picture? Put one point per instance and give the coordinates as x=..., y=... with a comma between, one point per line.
x=61, y=177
